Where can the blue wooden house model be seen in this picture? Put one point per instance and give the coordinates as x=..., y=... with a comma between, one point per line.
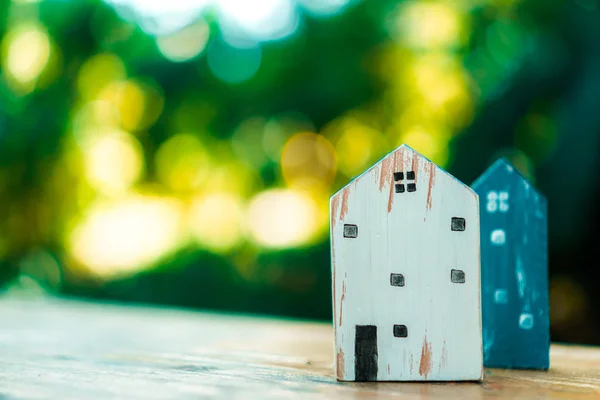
x=514, y=270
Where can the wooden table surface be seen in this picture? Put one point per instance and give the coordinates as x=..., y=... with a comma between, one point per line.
x=59, y=349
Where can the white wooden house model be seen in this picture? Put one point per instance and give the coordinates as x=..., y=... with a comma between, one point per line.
x=406, y=274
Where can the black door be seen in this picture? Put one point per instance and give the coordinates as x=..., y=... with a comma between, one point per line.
x=365, y=353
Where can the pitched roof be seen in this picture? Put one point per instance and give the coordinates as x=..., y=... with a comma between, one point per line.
x=390, y=154
x=502, y=164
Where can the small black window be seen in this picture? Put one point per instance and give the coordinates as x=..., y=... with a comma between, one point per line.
x=458, y=224
x=457, y=276
x=397, y=280
x=350, y=231
x=400, y=331
x=401, y=187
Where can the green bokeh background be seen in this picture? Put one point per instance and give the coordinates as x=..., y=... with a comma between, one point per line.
x=462, y=82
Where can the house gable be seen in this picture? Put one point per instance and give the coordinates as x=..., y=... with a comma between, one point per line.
x=394, y=169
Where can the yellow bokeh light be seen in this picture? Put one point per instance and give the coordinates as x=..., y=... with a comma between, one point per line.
x=441, y=85
x=113, y=161
x=279, y=218
x=128, y=99
x=185, y=44
x=26, y=51
x=308, y=161
x=432, y=142
x=357, y=147
x=427, y=72
x=429, y=25
x=127, y=236
x=182, y=162
x=232, y=177
x=411, y=116
x=278, y=129
x=154, y=102
x=95, y=115
x=98, y=72
x=139, y=105
x=216, y=221
x=321, y=201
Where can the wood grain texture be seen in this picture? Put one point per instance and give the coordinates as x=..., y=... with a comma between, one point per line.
x=56, y=349
x=514, y=262
x=407, y=230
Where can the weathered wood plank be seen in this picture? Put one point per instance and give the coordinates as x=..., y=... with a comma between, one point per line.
x=57, y=349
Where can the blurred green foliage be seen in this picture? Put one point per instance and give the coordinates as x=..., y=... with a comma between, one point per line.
x=185, y=156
